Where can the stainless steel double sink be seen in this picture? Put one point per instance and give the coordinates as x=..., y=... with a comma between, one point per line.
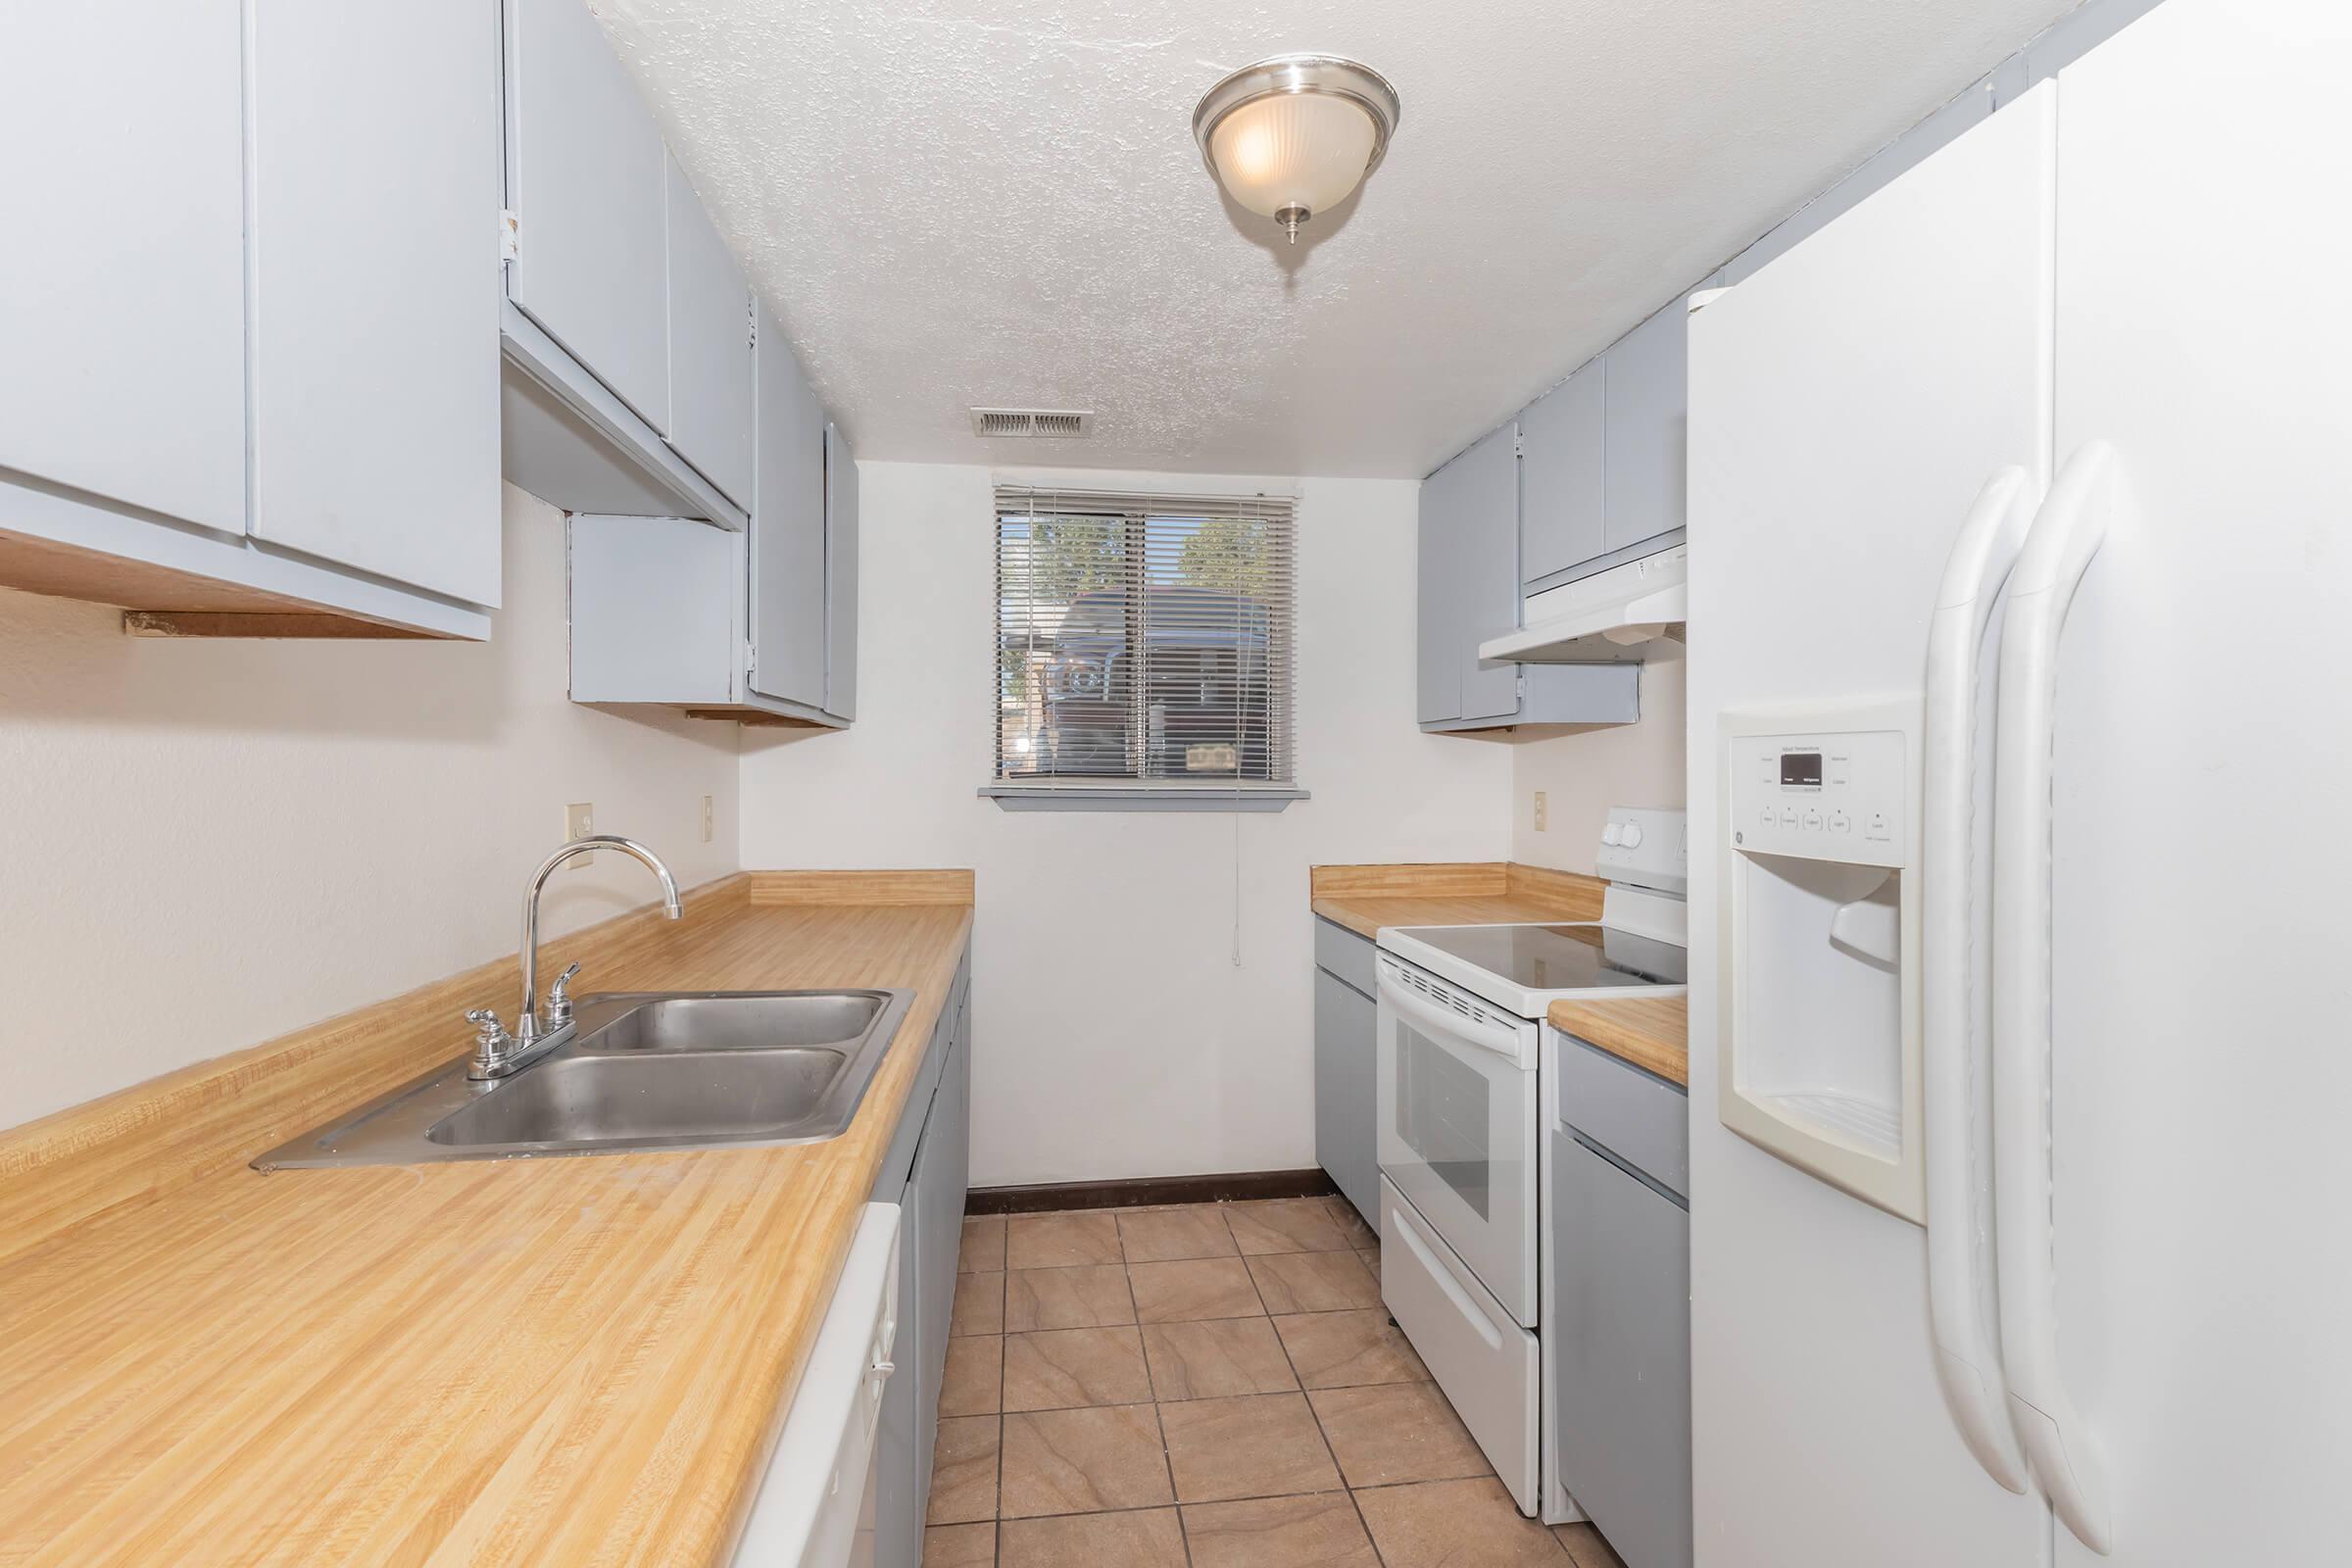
x=683, y=1069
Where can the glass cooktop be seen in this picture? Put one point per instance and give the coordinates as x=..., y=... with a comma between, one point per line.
x=1562, y=957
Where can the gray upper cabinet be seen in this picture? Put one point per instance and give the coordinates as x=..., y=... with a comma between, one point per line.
x=375, y=338
x=244, y=330
x=760, y=622
x=123, y=283
x=840, y=575
x=710, y=346
x=1471, y=586
x=1470, y=589
x=1470, y=537
x=1487, y=542
x=1648, y=399
x=1437, y=663
x=587, y=182
x=790, y=645
x=1561, y=506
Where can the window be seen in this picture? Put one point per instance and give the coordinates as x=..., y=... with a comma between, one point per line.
x=1144, y=651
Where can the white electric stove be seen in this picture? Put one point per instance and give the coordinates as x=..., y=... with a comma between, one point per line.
x=1459, y=1043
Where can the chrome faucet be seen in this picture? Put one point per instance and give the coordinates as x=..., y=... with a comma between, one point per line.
x=496, y=1052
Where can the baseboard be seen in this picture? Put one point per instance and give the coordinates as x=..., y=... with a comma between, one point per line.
x=1148, y=1190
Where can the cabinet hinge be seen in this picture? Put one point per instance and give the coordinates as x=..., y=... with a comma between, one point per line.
x=751, y=656
x=750, y=315
x=1518, y=444
x=510, y=236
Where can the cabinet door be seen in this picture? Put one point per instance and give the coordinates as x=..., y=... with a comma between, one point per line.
x=1346, y=1139
x=1649, y=413
x=1439, y=677
x=710, y=345
x=943, y=1171
x=1560, y=489
x=586, y=176
x=840, y=575
x=1624, y=1355
x=787, y=529
x=122, y=278
x=376, y=414
x=901, y=1441
x=1487, y=542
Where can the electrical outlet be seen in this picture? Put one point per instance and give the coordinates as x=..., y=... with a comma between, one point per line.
x=1543, y=812
x=708, y=820
x=579, y=820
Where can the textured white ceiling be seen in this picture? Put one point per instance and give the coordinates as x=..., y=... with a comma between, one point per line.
x=957, y=202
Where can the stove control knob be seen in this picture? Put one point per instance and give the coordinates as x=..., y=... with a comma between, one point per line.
x=1631, y=838
x=1609, y=835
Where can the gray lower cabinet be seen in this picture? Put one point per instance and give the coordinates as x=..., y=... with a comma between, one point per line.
x=927, y=1172
x=1347, y=1042
x=1620, y=1314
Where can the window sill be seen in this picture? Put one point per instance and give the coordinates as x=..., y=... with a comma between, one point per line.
x=1139, y=798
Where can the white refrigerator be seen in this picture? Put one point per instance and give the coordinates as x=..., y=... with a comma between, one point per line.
x=2023, y=492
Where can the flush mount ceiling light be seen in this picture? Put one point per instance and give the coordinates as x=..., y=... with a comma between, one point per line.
x=1291, y=136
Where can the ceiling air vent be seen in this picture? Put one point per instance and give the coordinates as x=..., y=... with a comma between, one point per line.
x=1034, y=423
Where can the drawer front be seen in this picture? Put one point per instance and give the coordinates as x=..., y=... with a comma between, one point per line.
x=1641, y=1119
x=1486, y=1364
x=1622, y=1356
x=1345, y=954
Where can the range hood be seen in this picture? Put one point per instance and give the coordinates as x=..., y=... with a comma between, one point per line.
x=1627, y=614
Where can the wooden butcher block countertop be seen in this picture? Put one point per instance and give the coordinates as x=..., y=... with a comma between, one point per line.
x=1366, y=897
x=1650, y=1032
x=550, y=1361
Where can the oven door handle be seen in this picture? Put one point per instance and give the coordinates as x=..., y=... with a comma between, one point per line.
x=1443, y=1023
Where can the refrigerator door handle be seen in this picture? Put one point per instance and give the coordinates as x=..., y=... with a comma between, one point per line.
x=1955, y=934
x=2066, y=535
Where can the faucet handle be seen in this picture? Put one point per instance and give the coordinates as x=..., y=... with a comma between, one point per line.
x=485, y=1022
x=559, y=995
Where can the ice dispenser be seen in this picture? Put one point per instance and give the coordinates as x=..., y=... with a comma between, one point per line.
x=1819, y=945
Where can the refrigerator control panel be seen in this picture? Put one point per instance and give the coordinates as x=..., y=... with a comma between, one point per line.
x=1823, y=794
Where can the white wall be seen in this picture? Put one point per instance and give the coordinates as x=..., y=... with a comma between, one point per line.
x=1114, y=1034
x=210, y=843
x=1583, y=775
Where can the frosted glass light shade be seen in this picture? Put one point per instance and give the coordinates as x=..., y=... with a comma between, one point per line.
x=1301, y=149
x=1291, y=136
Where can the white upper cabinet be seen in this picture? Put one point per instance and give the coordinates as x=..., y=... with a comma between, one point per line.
x=710, y=346
x=586, y=179
x=375, y=327
x=788, y=530
x=1560, y=502
x=122, y=276
x=1649, y=398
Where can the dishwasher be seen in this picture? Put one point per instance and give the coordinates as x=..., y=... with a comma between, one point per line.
x=815, y=1505
x=1616, y=1343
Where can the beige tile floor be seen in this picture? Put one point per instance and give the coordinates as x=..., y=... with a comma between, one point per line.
x=1214, y=1385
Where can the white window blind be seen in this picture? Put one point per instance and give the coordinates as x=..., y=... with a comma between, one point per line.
x=1144, y=643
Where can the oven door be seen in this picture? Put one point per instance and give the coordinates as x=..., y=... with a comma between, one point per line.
x=1457, y=1124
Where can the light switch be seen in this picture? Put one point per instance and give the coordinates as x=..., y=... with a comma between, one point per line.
x=1543, y=812
x=579, y=821
x=708, y=821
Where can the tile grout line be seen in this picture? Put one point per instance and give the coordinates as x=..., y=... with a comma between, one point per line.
x=1345, y=1490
